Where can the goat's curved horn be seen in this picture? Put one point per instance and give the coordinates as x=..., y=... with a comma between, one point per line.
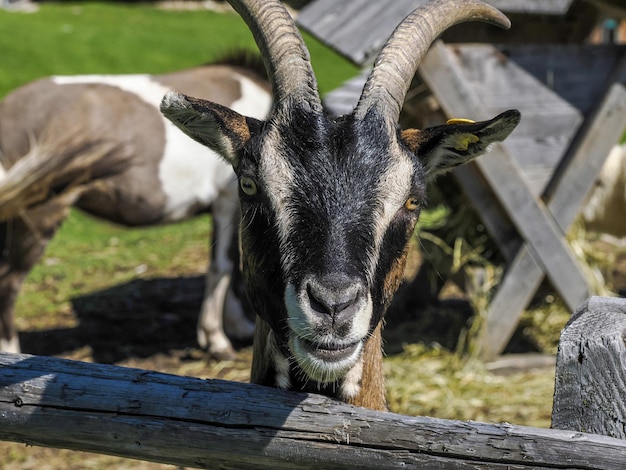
x=284, y=52
x=397, y=62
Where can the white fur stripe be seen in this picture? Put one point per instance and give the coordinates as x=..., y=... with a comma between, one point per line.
x=141, y=85
x=392, y=191
x=351, y=383
x=279, y=180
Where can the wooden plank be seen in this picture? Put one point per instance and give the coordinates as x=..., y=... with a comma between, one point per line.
x=491, y=212
x=217, y=424
x=538, y=7
x=531, y=217
x=578, y=73
x=575, y=178
x=537, y=226
x=517, y=288
x=342, y=100
x=591, y=370
x=498, y=80
x=549, y=122
x=564, y=202
x=537, y=157
x=356, y=29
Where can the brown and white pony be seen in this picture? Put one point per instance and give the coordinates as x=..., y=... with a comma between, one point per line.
x=100, y=143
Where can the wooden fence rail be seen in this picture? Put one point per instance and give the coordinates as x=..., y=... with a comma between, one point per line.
x=209, y=423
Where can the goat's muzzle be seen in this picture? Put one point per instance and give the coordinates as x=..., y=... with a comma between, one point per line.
x=329, y=319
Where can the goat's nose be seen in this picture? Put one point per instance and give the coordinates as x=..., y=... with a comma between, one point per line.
x=333, y=294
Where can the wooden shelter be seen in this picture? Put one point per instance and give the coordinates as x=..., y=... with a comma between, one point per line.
x=530, y=189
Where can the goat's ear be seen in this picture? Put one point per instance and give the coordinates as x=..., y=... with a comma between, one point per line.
x=441, y=148
x=218, y=127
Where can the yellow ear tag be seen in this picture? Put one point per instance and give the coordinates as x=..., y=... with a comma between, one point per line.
x=464, y=140
x=460, y=121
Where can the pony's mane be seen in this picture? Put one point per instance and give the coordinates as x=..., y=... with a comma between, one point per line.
x=244, y=58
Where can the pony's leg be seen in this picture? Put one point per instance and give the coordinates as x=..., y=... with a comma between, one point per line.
x=23, y=241
x=237, y=324
x=210, y=331
x=10, y=283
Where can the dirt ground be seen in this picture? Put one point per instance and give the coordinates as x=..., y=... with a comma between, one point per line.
x=150, y=324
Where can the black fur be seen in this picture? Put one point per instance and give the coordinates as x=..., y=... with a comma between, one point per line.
x=336, y=165
x=4, y=236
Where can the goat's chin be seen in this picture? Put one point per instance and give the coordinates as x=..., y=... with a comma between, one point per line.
x=325, y=364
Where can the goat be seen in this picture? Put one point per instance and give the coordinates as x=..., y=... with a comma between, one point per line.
x=166, y=177
x=606, y=205
x=329, y=204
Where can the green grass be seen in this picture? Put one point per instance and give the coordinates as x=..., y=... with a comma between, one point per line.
x=94, y=38
x=88, y=255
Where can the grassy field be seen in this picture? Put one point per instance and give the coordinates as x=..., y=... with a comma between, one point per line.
x=92, y=38
x=88, y=256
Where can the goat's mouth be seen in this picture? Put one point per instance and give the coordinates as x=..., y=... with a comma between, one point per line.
x=331, y=352
x=325, y=362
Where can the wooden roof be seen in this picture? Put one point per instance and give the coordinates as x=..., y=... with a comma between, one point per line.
x=357, y=29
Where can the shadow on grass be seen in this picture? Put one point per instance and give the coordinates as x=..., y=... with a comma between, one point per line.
x=137, y=319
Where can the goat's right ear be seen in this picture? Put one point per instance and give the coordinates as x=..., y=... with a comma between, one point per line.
x=215, y=126
x=441, y=148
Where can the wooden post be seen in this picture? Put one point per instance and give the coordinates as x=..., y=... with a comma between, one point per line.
x=590, y=393
x=218, y=424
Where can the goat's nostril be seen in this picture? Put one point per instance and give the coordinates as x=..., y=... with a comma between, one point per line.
x=316, y=303
x=331, y=300
x=340, y=307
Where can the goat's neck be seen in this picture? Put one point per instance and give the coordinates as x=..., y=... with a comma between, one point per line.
x=372, y=391
x=263, y=371
x=269, y=368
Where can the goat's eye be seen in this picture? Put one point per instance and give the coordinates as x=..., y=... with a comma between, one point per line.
x=411, y=204
x=248, y=185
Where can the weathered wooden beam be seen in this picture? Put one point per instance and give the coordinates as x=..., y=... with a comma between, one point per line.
x=574, y=179
x=210, y=423
x=564, y=200
x=591, y=370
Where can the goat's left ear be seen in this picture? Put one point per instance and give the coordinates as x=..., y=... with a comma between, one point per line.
x=441, y=148
x=215, y=126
